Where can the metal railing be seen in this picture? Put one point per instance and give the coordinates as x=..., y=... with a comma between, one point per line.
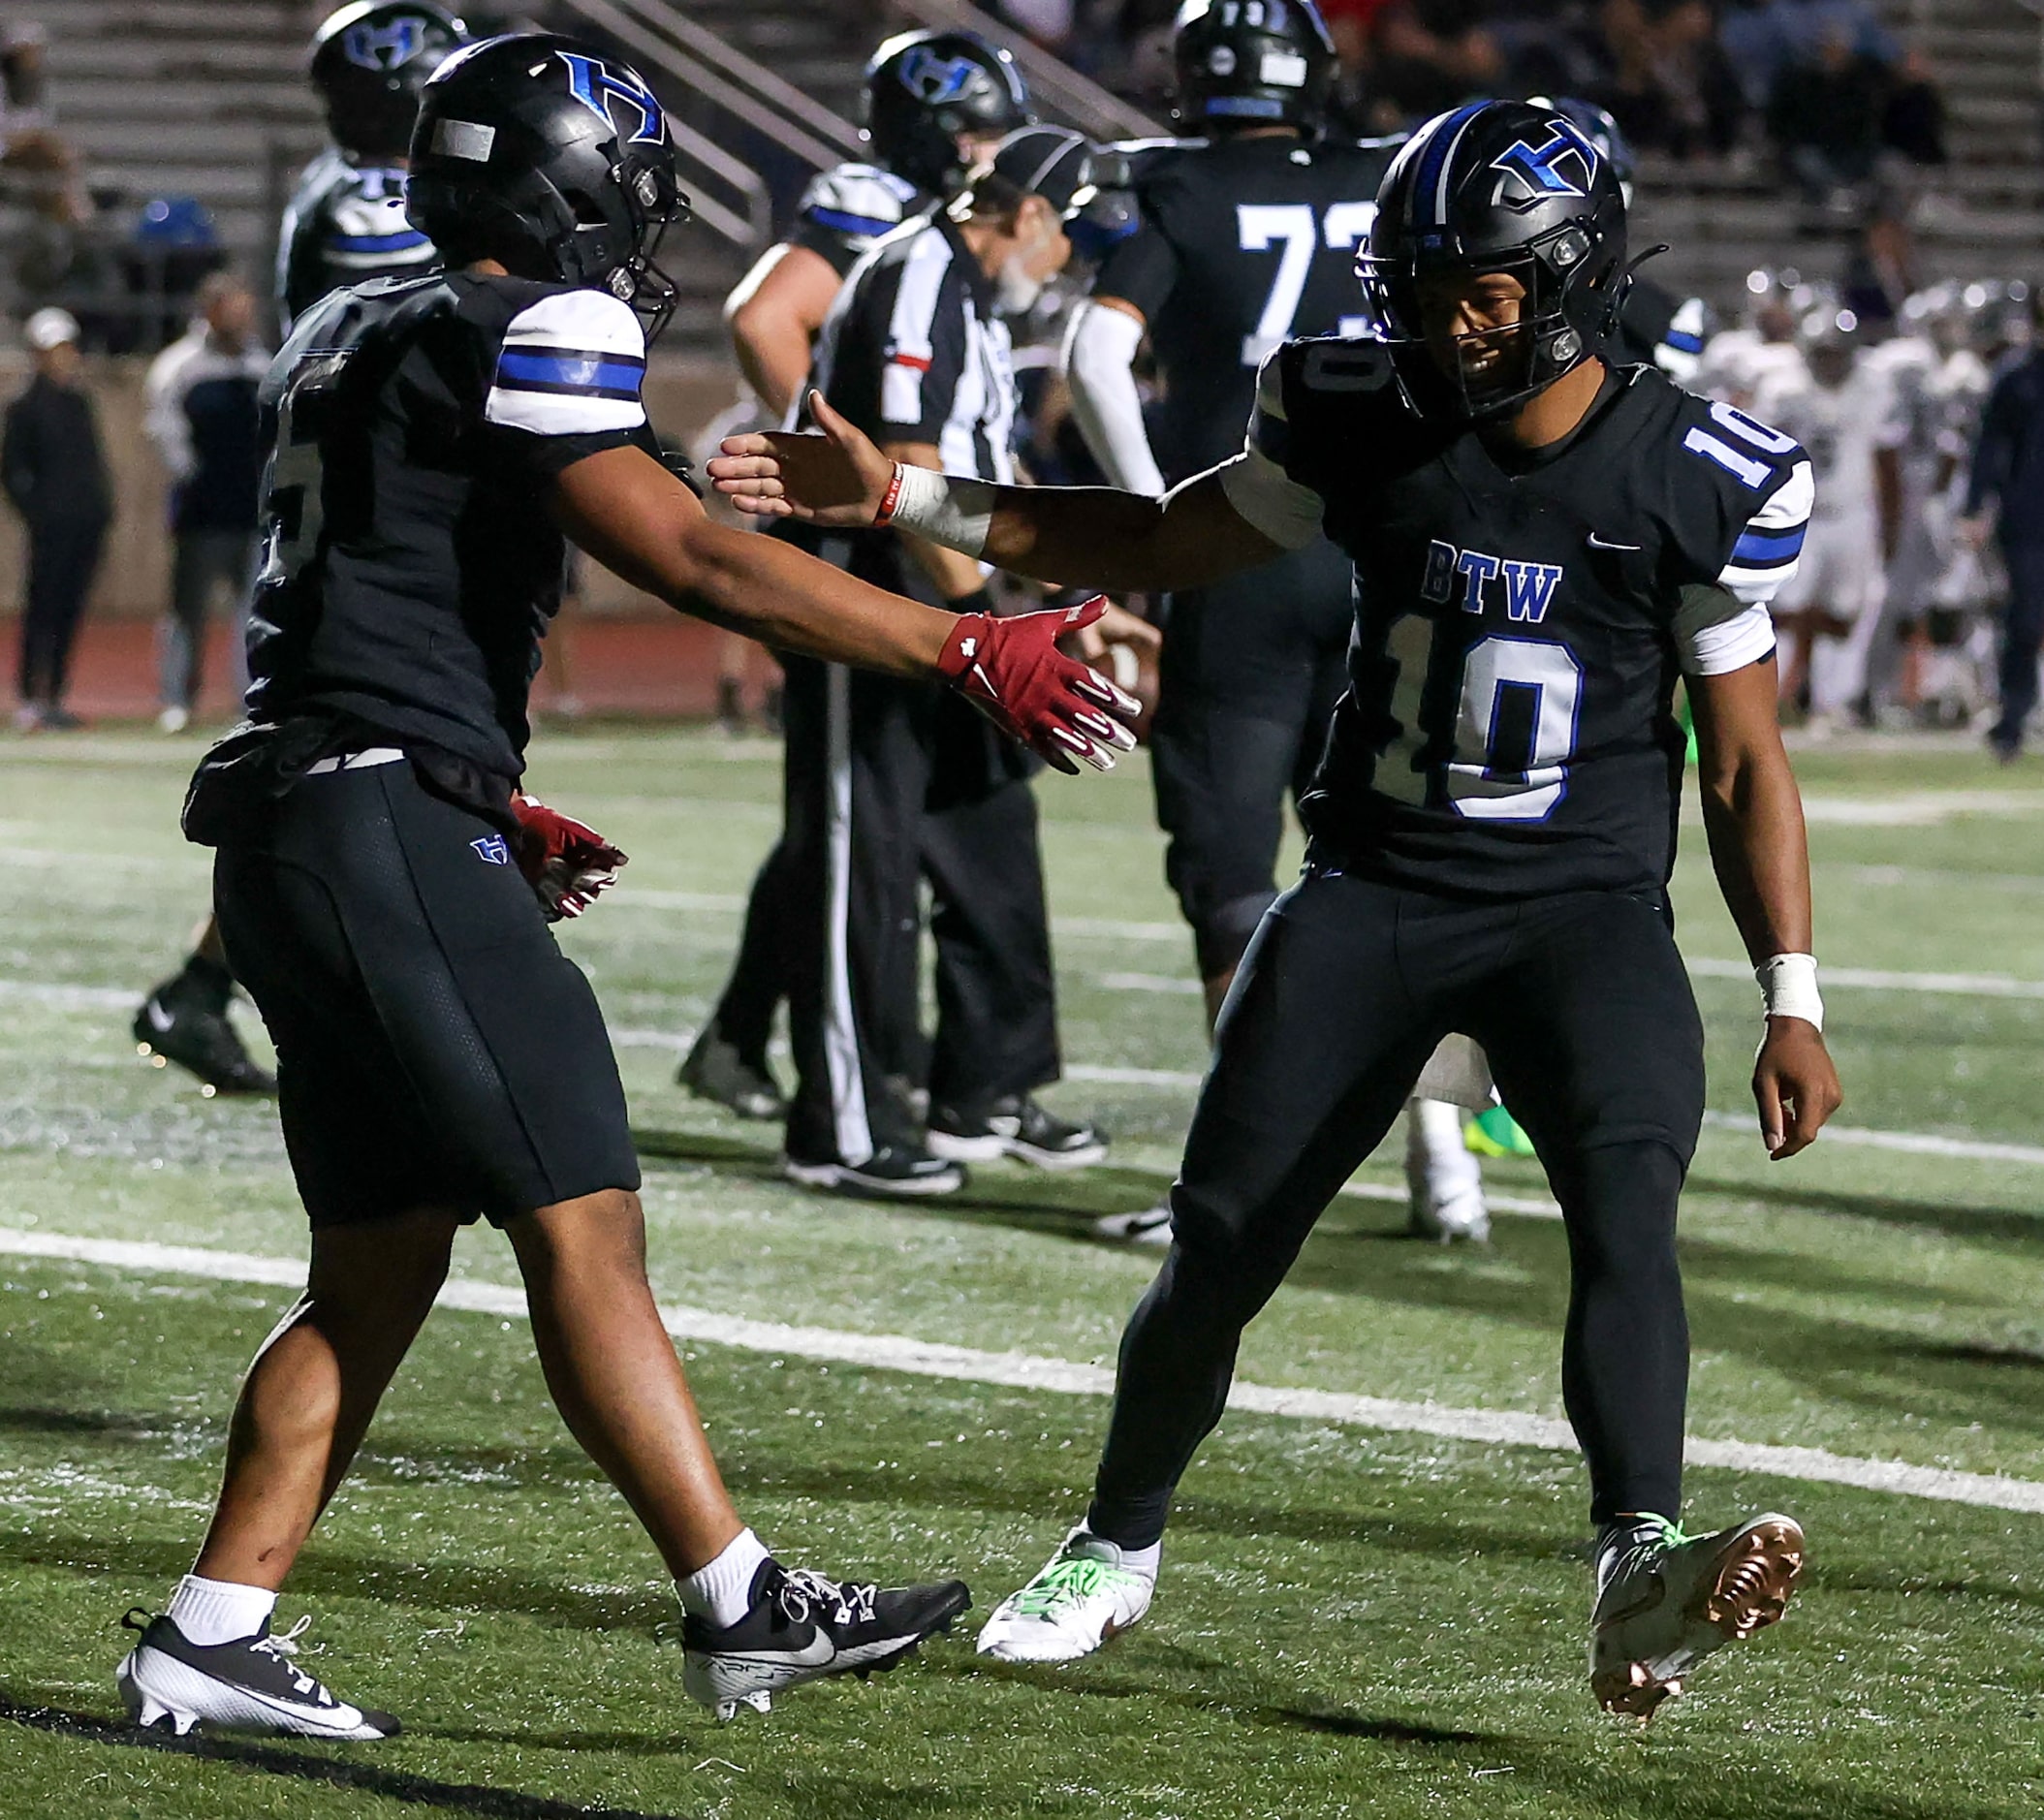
x=728, y=194
x=1057, y=87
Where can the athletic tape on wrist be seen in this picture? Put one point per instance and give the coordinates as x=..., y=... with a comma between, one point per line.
x=954, y=512
x=1789, y=984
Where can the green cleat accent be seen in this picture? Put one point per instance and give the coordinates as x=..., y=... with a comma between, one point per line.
x=1496, y=1133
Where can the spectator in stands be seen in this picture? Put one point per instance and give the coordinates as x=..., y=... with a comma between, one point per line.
x=201, y=417
x=55, y=476
x=1415, y=58
x=1670, y=88
x=1835, y=88
x=2005, y=496
x=31, y=149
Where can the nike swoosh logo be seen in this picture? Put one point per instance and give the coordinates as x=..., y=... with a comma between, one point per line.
x=160, y=1020
x=1597, y=542
x=814, y=1653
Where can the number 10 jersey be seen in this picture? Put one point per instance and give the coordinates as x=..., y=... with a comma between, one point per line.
x=1522, y=617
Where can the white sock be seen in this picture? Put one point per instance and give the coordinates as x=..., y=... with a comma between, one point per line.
x=721, y=1593
x=218, y=1611
x=1144, y=1561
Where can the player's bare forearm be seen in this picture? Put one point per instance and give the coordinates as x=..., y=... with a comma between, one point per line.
x=626, y=511
x=1753, y=810
x=1071, y=536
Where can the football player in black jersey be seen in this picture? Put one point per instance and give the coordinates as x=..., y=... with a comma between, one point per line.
x=345, y=224
x=1247, y=238
x=1544, y=542
x=385, y=889
x=936, y=104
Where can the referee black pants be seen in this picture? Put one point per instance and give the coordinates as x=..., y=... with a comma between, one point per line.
x=1581, y=1003
x=1247, y=682
x=889, y=782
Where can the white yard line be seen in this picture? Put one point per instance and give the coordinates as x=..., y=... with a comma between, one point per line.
x=1028, y=1372
x=1708, y=967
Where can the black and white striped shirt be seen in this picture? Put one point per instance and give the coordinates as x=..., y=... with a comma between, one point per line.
x=913, y=351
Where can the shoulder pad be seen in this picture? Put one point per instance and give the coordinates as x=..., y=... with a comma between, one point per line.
x=866, y=192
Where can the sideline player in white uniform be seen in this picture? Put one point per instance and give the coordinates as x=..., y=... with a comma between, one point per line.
x=1844, y=415
x=1760, y=353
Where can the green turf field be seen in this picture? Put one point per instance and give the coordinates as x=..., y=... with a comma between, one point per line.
x=1353, y=1620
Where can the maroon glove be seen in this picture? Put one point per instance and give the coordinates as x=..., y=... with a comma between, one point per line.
x=567, y=862
x=1012, y=670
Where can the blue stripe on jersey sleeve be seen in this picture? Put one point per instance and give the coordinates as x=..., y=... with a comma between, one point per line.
x=405, y=241
x=1760, y=548
x=569, y=370
x=1683, y=342
x=841, y=221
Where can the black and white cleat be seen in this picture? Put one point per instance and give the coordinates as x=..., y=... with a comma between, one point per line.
x=251, y=1685
x=802, y=1627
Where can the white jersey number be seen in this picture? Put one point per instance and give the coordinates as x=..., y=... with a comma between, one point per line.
x=1537, y=677
x=1292, y=228
x=295, y=485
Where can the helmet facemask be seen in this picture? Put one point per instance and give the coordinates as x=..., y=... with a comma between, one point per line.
x=1567, y=312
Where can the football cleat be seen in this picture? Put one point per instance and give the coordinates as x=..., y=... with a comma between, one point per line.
x=1081, y=1600
x=1494, y=1132
x=250, y=1685
x=802, y=1628
x=177, y=1023
x=1018, y=1127
x=714, y=1070
x=1446, y=1218
x=1146, y=1226
x=1666, y=1600
x=895, y=1171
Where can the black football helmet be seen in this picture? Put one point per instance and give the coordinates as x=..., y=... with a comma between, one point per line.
x=1498, y=186
x=552, y=157
x=1251, y=63
x=925, y=89
x=368, y=63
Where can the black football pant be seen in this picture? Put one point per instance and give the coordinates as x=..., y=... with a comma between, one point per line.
x=1247, y=682
x=62, y=559
x=1584, y=1008
x=889, y=782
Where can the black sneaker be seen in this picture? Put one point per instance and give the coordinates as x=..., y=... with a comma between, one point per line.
x=716, y=1071
x=179, y=1024
x=245, y=1686
x=1016, y=1127
x=895, y=1171
x=802, y=1627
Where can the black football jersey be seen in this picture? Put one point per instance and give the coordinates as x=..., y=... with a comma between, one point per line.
x=410, y=564
x=1521, y=622
x=1243, y=243
x=344, y=225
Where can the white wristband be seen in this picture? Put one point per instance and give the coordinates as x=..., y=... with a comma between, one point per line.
x=957, y=514
x=1789, y=984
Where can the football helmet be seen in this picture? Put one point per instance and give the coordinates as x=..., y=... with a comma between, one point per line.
x=927, y=90
x=1497, y=187
x=552, y=157
x=1251, y=63
x=368, y=63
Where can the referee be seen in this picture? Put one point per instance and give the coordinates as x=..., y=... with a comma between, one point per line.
x=888, y=780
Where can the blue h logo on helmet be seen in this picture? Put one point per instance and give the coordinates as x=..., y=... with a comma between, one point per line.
x=933, y=80
x=596, y=85
x=1562, y=165
x=383, y=48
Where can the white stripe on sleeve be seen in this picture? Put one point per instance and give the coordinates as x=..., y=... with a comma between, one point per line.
x=572, y=364
x=1770, y=546
x=910, y=338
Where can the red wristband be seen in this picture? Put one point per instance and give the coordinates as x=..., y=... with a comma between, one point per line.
x=891, y=498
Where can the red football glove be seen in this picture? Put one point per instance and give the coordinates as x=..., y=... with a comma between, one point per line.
x=568, y=863
x=1012, y=670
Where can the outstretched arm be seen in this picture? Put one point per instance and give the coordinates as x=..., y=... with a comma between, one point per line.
x=1073, y=536
x=641, y=523
x=1753, y=817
